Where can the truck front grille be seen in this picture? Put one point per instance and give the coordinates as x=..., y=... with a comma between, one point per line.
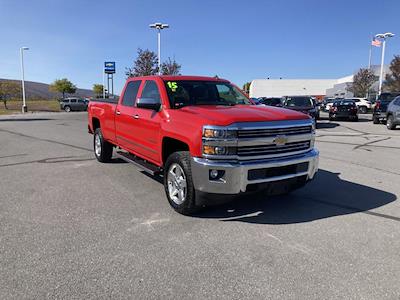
x=268, y=132
x=272, y=149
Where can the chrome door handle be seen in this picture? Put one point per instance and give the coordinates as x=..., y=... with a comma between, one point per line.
x=118, y=112
x=136, y=117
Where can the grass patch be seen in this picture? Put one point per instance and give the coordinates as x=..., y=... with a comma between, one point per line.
x=15, y=106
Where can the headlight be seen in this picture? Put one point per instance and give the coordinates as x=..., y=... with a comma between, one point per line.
x=218, y=133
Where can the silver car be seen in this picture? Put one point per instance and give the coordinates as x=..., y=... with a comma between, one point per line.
x=73, y=104
x=393, y=114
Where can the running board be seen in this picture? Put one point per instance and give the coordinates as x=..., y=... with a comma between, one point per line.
x=140, y=163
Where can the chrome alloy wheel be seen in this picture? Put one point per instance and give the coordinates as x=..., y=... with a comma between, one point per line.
x=177, y=185
x=97, y=145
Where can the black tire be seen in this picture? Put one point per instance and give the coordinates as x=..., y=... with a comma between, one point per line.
x=188, y=206
x=375, y=120
x=67, y=108
x=390, y=123
x=355, y=119
x=363, y=109
x=331, y=118
x=106, y=149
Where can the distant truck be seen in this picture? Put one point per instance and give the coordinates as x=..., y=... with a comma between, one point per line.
x=204, y=136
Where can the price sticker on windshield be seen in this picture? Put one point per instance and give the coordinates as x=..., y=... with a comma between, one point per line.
x=172, y=85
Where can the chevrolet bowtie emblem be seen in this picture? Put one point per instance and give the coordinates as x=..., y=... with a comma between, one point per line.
x=280, y=140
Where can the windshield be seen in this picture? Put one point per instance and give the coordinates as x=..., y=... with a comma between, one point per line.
x=298, y=101
x=344, y=102
x=188, y=92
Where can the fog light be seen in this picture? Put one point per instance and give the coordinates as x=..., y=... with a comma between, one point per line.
x=219, y=150
x=214, y=174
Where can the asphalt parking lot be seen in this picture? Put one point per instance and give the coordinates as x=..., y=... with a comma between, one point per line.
x=73, y=228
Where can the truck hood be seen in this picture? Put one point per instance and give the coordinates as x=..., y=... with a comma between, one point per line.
x=225, y=115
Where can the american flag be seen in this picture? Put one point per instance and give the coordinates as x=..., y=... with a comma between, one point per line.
x=375, y=42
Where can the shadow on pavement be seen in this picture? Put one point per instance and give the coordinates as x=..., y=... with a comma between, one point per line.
x=24, y=119
x=326, y=125
x=326, y=196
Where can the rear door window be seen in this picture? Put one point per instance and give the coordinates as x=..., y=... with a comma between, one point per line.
x=130, y=93
x=150, y=90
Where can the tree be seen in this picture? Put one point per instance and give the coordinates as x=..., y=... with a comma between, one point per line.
x=246, y=87
x=63, y=86
x=170, y=67
x=145, y=64
x=98, y=90
x=362, y=82
x=9, y=90
x=392, y=83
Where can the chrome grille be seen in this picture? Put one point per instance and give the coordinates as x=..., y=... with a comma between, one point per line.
x=272, y=149
x=268, y=132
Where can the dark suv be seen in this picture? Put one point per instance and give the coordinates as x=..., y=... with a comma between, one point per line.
x=70, y=104
x=304, y=104
x=379, y=113
x=393, y=114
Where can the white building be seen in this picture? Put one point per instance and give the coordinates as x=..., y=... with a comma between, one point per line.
x=290, y=87
x=319, y=88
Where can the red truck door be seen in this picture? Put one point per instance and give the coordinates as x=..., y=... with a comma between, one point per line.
x=125, y=130
x=147, y=125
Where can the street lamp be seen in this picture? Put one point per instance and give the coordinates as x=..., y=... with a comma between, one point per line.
x=159, y=27
x=24, y=107
x=383, y=36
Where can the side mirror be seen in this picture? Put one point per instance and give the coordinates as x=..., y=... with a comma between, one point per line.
x=148, y=103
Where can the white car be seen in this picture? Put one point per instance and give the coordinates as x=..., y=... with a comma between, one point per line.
x=363, y=104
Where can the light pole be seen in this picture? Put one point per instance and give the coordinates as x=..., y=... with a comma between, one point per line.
x=159, y=27
x=383, y=36
x=24, y=107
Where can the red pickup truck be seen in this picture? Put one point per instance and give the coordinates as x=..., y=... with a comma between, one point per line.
x=204, y=137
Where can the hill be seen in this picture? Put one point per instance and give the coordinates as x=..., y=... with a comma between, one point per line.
x=38, y=90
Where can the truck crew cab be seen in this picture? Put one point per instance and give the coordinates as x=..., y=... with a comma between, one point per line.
x=204, y=135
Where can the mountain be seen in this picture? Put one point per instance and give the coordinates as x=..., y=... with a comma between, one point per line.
x=38, y=90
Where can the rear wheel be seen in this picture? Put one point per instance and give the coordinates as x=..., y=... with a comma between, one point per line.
x=102, y=149
x=375, y=120
x=67, y=108
x=390, y=123
x=178, y=183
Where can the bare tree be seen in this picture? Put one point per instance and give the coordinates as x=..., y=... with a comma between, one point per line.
x=170, y=67
x=362, y=82
x=392, y=83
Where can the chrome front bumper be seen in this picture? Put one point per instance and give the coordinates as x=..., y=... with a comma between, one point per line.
x=236, y=174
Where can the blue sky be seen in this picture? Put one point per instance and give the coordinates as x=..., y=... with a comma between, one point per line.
x=238, y=40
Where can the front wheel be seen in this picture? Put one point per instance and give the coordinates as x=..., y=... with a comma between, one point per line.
x=178, y=183
x=102, y=149
x=390, y=123
x=363, y=109
x=67, y=109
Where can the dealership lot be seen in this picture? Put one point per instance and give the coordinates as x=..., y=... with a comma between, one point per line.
x=71, y=227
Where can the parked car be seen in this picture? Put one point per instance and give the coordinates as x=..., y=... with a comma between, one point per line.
x=393, y=114
x=380, y=109
x=344, y=109
x=205, y=137
x=73, y=104
x=274, y=101
x=325, y=105
x=303, y=104
x=255, y=101
x=363, y=105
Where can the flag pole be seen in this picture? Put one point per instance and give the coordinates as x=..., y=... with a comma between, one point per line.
x=370, y=55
